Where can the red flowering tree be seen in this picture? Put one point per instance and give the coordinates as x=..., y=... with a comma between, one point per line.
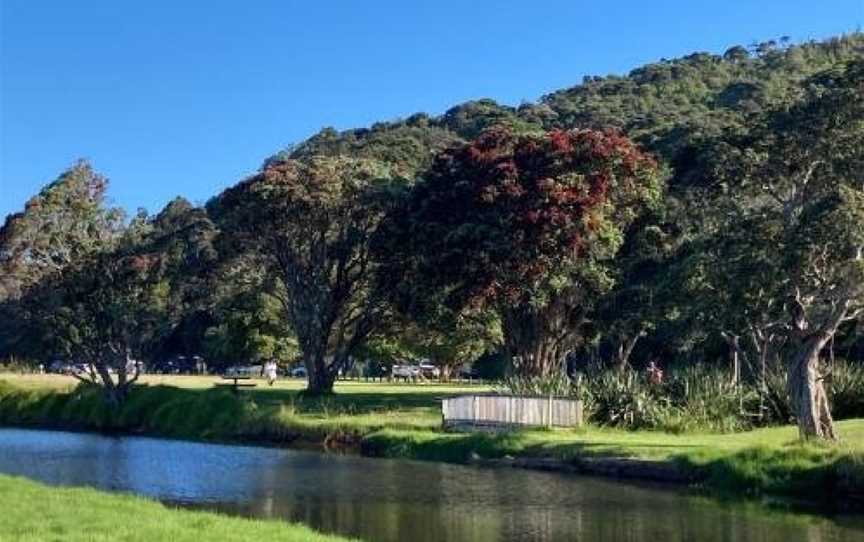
x=525, y=225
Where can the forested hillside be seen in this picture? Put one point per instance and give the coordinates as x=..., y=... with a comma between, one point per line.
x=664, y=106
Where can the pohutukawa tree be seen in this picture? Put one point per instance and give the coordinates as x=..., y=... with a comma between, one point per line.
x=311, y=221
x=102, y=311
x=65, y=224
x=524, y=225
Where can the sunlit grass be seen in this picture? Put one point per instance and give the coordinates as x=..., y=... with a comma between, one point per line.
x=35, y=512
x=193, y=407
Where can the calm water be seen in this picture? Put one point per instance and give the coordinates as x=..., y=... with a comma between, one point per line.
x=386, y=500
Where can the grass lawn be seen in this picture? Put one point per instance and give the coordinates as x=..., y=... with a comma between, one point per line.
x=417, y=405
x=403, y=420
x=164, y=403
x=32, y=511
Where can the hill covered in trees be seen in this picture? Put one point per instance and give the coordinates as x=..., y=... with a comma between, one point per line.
x=666, y=106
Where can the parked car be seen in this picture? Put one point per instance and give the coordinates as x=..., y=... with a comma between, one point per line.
x=175, y=365
x=299, y=372
x=429, y=371
x=405, y=371
x=60, y=367
x=469, y=373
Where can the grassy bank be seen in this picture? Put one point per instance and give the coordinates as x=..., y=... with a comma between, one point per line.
x=404, y=421
x=192, y=408
x=761, y=461
x=35, y=512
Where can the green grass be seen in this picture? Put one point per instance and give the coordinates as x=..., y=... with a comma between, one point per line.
x=191, y=407
x=33, y=511
x=404, y=421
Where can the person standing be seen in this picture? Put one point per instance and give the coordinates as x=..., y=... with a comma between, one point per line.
x=655, y=374
x=270, y=371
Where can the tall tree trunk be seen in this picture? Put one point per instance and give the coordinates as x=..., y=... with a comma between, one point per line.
x=807, y=391
x=736, y=353
x=625, y=350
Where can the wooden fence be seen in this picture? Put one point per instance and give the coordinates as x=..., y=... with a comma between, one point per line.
x=511, y=410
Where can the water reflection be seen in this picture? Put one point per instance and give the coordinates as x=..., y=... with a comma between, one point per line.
x=399, y=500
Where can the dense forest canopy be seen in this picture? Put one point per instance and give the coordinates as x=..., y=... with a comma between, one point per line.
x=706, y=208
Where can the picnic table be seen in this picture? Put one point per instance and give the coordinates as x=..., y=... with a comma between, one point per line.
x=237, y=384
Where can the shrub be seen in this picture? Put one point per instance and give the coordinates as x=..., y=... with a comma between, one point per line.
x=846, y=390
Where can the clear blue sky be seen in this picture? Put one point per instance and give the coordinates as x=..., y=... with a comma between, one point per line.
x=186, y=97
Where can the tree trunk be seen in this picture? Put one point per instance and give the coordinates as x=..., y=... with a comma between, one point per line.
x=538, y=338
x=735, y=354
x=807, y=391
x=625, y=350
x=115, y=394
x=320, y=376
x=541, y=359
x=320, y=383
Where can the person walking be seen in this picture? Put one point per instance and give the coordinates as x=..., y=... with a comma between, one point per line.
x=270, y=371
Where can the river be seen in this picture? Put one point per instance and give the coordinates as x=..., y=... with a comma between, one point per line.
x=393, y=500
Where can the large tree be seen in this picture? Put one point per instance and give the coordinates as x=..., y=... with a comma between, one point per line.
x=524, y=225
x=123, y=301
x=797, y=182
x=100, y=312
x=311, y=221
x=66, y=222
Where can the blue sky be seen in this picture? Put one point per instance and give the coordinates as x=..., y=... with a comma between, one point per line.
x=185, y=98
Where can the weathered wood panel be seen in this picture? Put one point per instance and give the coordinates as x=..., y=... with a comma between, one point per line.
x=512, y=410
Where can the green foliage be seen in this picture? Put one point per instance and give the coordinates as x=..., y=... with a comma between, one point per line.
x=846, y=389
x=251, y=326
x=696, y=397
x=556, y=384
x=667, y=106
x=67, y=220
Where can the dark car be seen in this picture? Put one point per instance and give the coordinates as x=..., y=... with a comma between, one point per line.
x=177, y=365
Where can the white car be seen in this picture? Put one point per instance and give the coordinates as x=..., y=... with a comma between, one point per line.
x=430, y=371
x=405, y=371
x=299, y=372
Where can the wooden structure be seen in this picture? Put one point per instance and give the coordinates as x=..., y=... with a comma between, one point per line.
x=235, y=387
x=509, y=410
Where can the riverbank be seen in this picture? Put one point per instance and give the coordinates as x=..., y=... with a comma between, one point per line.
x=404, y=422
x=35, y=512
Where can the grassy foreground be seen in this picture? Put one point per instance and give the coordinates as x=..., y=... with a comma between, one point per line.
x=33, y=511
x=404, y=421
